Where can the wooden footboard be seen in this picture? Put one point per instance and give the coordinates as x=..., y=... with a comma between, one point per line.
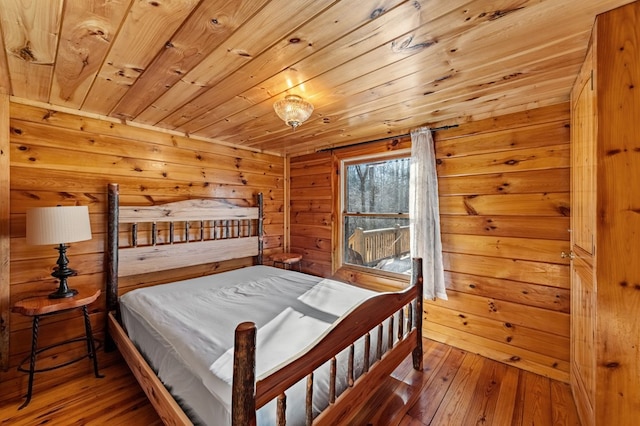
x=249, y=396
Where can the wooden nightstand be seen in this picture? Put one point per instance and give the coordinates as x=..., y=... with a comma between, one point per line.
x=40, y=306
x=287, y=260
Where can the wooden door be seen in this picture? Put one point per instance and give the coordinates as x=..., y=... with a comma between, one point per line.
x=583, y=227
x=583, y=159
x=583, y=331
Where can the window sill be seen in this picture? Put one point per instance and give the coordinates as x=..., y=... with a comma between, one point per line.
x=372, y=280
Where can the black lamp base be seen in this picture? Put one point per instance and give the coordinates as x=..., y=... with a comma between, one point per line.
x=62, y=272
x=61, y=293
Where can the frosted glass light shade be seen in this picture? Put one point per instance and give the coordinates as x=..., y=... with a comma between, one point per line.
x=58, y=225
x=293, y=110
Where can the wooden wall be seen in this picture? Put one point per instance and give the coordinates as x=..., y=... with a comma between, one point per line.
x=311, y=214
x=58, y=158
x=504, y=203
x=504, y=193
x=504, y=200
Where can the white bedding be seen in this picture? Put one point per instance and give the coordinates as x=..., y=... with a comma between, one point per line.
x=186, y=330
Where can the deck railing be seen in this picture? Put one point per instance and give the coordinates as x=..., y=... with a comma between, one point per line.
x=377, y=244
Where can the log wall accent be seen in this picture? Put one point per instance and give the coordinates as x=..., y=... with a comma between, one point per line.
x=5, y=254
x=61, y=158
x=504, y=200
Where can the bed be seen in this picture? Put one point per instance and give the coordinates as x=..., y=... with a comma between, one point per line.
x=254, y=345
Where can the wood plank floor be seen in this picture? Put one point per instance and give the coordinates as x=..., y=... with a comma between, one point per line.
x=455, y=388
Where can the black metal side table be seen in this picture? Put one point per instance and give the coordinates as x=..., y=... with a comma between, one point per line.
x=40, y=306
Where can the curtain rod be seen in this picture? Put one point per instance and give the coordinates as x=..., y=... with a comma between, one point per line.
x=435, y=129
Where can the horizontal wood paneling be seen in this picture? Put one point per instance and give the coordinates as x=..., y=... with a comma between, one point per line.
x=519, y=270
x=44, y=135
x=508, y=126
x=509, y=313
x=554, y=180
x=23, y=180
x=499, y=351
x=59, y=158
x=504, y=201
x=311, y=206
x=505, y=161
x=34, y=156
x=51, y=331
x=314, y=231
x=99, y=125
x=537, y=250
x=538, y=204
x=522, y=293
x=521, y=336
x=548, y=228
x=485, y=138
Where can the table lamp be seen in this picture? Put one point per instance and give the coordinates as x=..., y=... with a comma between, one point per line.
x=59, y=225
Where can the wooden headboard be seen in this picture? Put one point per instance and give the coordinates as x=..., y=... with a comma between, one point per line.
x=143, y=239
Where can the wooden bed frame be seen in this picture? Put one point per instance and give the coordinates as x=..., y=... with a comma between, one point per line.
x=225, y=232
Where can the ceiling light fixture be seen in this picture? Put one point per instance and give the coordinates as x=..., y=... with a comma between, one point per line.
x=293, y=110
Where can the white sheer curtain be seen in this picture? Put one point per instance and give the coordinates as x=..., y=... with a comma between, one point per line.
x=424, y=213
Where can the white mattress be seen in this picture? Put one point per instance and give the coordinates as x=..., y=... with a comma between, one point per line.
x=186, y=331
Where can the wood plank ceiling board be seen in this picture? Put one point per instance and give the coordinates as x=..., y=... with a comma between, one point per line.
x=145, y=30
x=377, y=110
x=88, y=29
x=30, y=30
x=427, y=65
x=255, y=105
x=315, y=42
x=276, y=19
x=212, y=69
x=204, y=31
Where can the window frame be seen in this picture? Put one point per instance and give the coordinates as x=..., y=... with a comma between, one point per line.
x=397, y=280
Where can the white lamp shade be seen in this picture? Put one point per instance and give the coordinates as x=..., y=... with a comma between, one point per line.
x=58, y=225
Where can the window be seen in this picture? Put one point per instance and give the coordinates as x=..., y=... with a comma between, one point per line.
x=375, y=213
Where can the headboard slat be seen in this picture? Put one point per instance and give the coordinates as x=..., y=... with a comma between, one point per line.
x=188, y=210
x=141, y=260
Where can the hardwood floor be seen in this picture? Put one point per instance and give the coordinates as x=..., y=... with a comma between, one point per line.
x=455, y=388
x=460, y=388
x=115, y=399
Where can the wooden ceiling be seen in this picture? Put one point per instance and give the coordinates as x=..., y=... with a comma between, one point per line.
x=371, y=68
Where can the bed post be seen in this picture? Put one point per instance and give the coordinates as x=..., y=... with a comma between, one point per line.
x=243, y=397
x=260, y=227
x=112, y=258
x=417, y=281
